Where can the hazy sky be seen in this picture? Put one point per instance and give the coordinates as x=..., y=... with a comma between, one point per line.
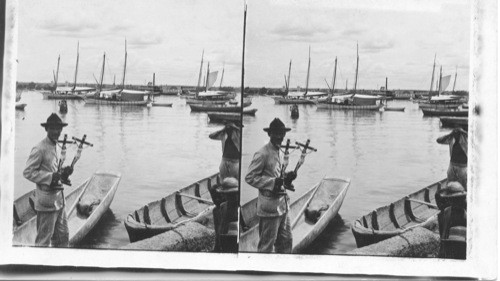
x=397, y=39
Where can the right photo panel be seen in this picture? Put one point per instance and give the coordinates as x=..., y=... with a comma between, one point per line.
x=356, y=139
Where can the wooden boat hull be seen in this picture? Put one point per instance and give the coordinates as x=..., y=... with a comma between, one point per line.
x=191, y=203
x=283, y=100
x=79, y=225
x=52, y=96
x=394, y=109
x=334, y=106
x=397, y=217
x=452, y=122
x=304, y=232
x=230, y=116
x=115, y=102
x=208, y=108
x=424, y=105
x=445, y=112
x=206, y=102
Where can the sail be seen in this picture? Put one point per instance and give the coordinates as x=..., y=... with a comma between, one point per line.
x=445, y=81
x=212, y=76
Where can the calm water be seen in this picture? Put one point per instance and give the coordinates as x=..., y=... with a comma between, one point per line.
x=158, y=150
x=387, y=155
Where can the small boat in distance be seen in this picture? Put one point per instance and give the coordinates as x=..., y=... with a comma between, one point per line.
x=452, y=122
x=215, y=108
x=329, y=192
x=416, y=209
x=102, y=186
x=445, y=112
x=190, y=203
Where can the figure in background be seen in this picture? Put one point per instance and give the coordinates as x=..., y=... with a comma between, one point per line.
x=228, y=227
x=229, y=168
x=457, y=141
x=42, y=169
x=272, y=202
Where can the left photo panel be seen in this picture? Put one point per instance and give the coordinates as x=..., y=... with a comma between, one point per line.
x=128, y=125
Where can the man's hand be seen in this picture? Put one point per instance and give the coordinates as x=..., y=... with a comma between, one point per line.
x=66, y=172
x=289, y=177
x=278, y=182
x=56, y=177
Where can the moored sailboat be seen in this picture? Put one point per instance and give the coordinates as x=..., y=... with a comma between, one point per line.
x=120, y=96
x=352, y=101
x=298, y=97
x=73, y=92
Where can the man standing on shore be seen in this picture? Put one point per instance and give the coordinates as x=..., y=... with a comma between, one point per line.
x=272, y=203
x=42, y=169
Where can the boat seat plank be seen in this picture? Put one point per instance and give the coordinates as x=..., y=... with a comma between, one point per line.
x=197, y=198
x=400, y=215
x=384, y=220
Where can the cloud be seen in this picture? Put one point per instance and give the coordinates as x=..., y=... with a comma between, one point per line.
x=299, y=32
x=68, y=28
x=144, y=42
x=373, y=46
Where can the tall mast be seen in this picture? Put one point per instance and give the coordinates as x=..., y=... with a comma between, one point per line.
x=454, y=82
x=199, y=76
x=124, y=66
x=357, y=65
x=386, y=86
x=222, y=77
x=308, y=69
x=432, y=79
x=440, y=77
x=76, y=69
x=288, y=80
x=334, y=75
x=153, y=92
x=243, y=58
x=208, y=74
x=346, y=84
x=102, y=71
x=56, y=76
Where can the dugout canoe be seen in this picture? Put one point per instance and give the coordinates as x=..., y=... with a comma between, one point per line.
x=101, y=186
x=329, y=191
x=445, y=112
x=416, y=209
x=190, y=203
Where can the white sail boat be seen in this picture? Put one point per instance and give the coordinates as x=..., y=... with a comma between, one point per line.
x=208, y=96
x=73, y=92
x=352, y=101
x=300, y=97
x=440, y=101
x=119, y=96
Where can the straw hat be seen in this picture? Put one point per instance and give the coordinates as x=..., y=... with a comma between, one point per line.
x=276, y=126
x=453, y=188
x=228, y=185
x=54, y=121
